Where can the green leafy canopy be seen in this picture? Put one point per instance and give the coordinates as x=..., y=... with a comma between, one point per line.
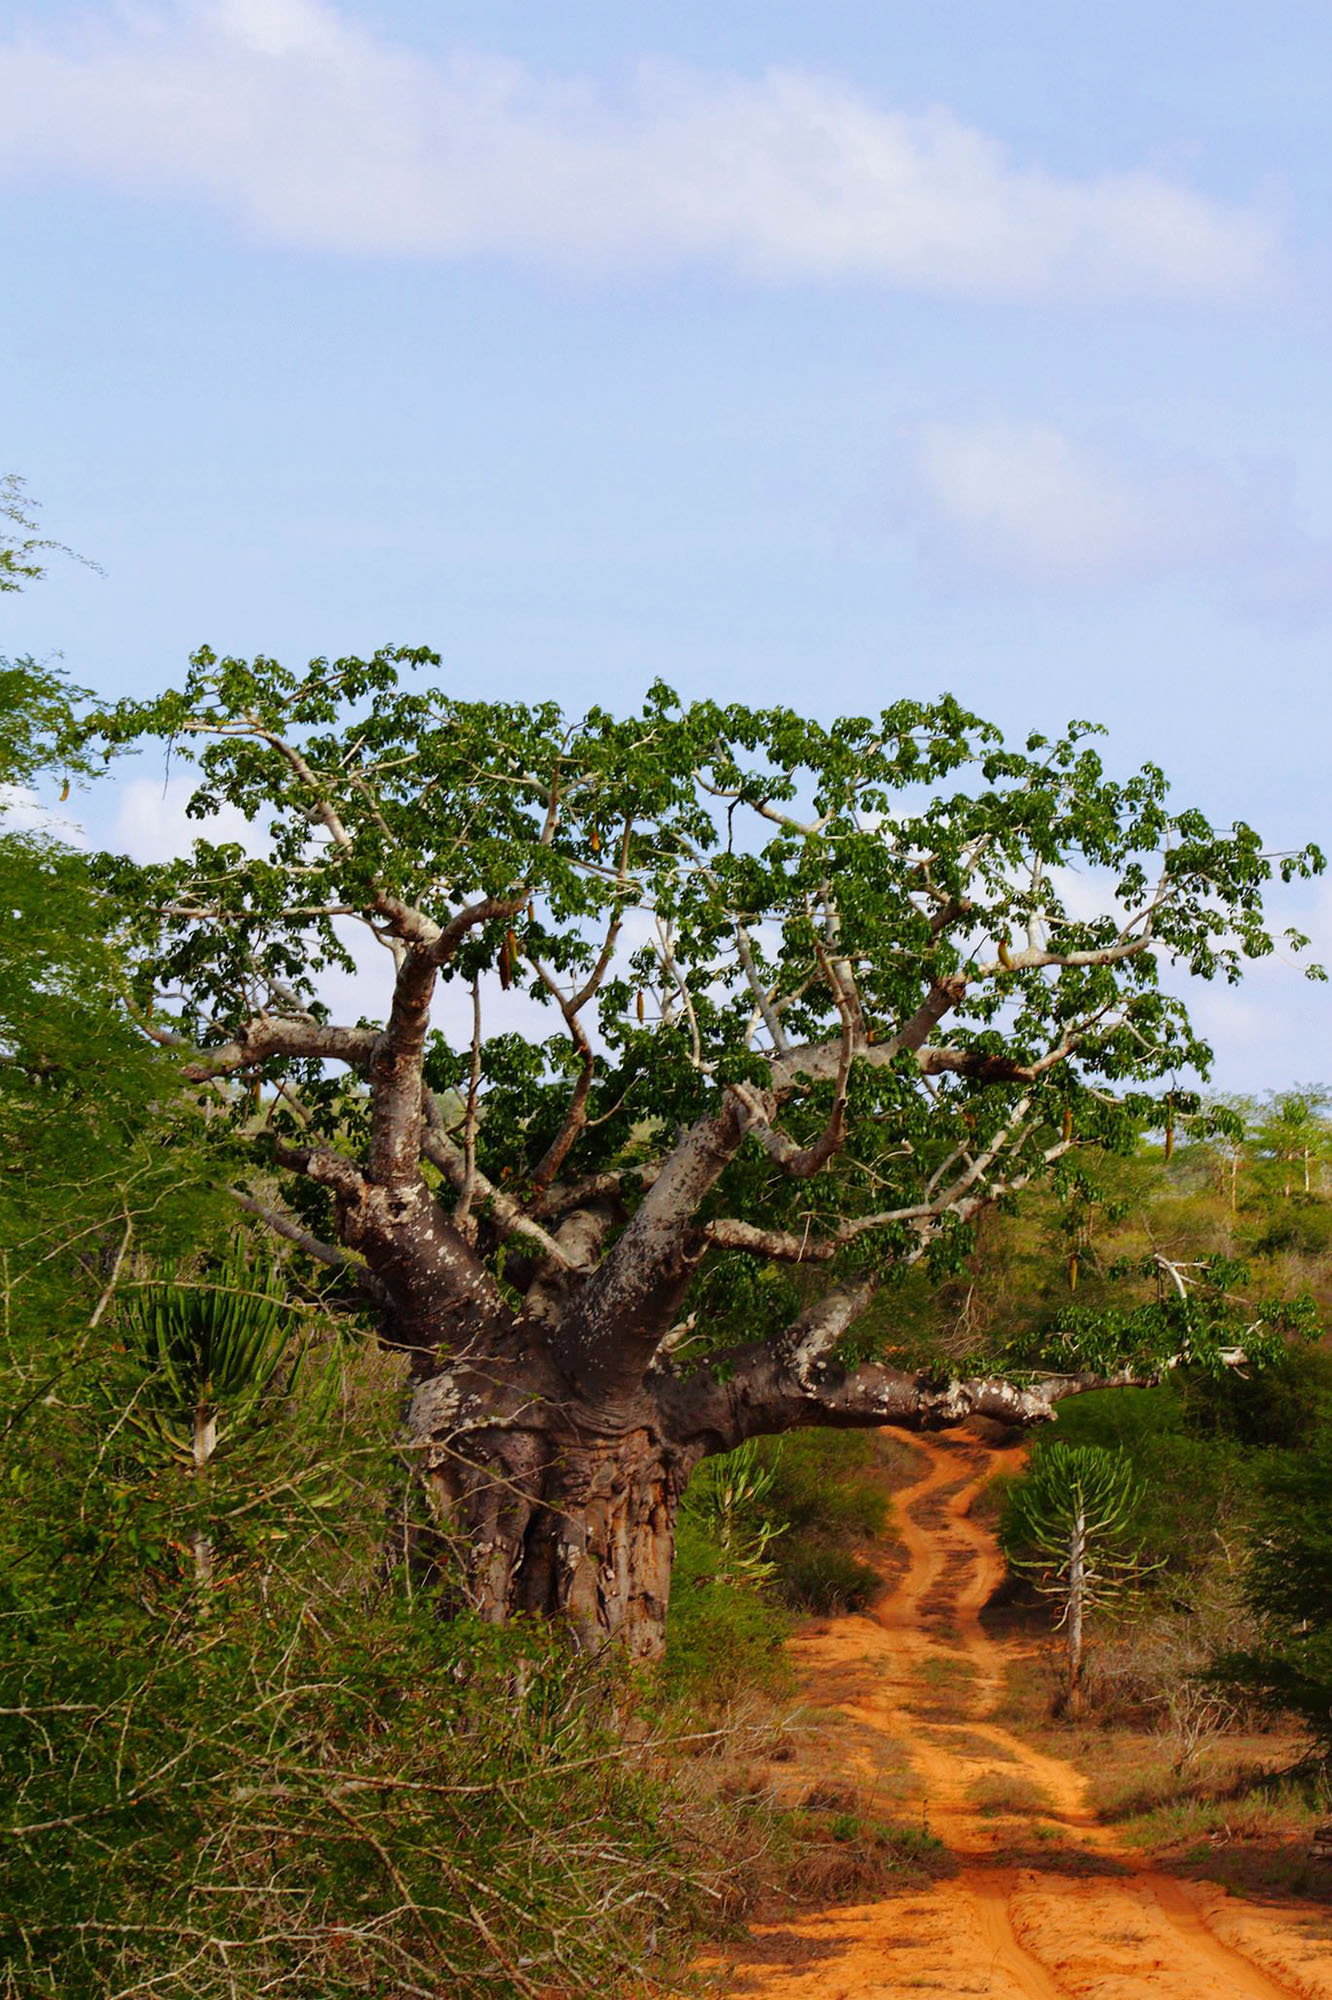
x=700, y=898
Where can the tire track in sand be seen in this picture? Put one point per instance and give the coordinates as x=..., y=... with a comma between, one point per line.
x=1045, y=1902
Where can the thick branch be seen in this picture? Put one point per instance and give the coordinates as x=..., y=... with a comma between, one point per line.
x=395, y=1068
x=786, y=1384
x=609, y=1340
x=558, y=1200
x=395, y=1071
x=442, y=1293
x=795, y=1246
x=270, y=1035
x=320, y=1163
x=448, y=939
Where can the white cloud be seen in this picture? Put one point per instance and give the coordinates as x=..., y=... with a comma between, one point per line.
x=151, y=823
x=22, y=810
x=1025, y=504
x=310, y=129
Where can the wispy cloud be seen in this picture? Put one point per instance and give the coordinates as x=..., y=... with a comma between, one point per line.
x=1025, y=504
x=152, y=822
x=310, y=129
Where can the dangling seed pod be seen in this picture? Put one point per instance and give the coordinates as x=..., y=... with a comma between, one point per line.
x=64, y=790
x=639, y=1007
x=596, y=841
x=1068, y=1123
x=1073, y=1271
x=1170, y=1125
x=1005, y=955
x=508, y=958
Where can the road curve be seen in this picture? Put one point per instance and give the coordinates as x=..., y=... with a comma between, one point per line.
x=1045, y=1902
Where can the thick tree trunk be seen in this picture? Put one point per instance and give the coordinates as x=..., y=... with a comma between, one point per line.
x=557, y=1519
x=554, y=1476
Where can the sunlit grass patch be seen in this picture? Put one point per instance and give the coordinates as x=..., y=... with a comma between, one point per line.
x=1008, y=1792
x=945, y=1688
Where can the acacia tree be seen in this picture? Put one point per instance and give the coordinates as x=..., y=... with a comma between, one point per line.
x=1294, y=1134
x=819, y=996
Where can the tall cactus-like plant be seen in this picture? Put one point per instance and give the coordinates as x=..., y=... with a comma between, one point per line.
x=210, y=1350
x=1069, y=1526
x=726, y=1496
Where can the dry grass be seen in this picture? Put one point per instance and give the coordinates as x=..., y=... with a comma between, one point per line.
x=1233, y=1812
x=780, y=1831
x=946, y=1690
x=1004, y=1792
x=849, y=1858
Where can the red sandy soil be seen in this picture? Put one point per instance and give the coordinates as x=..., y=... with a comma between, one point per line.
x=1045, y=1900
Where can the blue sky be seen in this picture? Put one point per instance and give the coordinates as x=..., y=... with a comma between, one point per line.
x=792, y=353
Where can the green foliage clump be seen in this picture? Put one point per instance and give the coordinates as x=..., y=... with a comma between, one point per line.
x=723, y=1641
x=322, y=1796
x=1289, y=1586
x=822, y=1483
x=824, y=1487
x=1191, y=1490
x=208, y=1351
x=826, y=1580
x=775, y=1524
x=1285, y=1406
x=724, y=1629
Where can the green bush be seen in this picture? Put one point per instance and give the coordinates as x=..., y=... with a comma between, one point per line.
x=1194, y=1488
x=329, y=1798
x=1285, y=1405
x=761, y=1528
x=724, y=1633
x=826, y=1580
x=1289, y=1585
x=820, y=1482
x=284, y=1772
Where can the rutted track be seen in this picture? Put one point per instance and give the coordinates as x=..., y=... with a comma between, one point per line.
x=1045, y=1902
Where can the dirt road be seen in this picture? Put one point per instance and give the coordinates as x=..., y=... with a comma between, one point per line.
x=1045, y=1901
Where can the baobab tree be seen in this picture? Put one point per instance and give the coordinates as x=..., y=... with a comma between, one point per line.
x=820, y=995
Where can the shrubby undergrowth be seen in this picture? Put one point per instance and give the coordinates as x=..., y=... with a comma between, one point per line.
x=779, y=1528
x=328, y=1799
x=1231, y=1630
x=290, y=1774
